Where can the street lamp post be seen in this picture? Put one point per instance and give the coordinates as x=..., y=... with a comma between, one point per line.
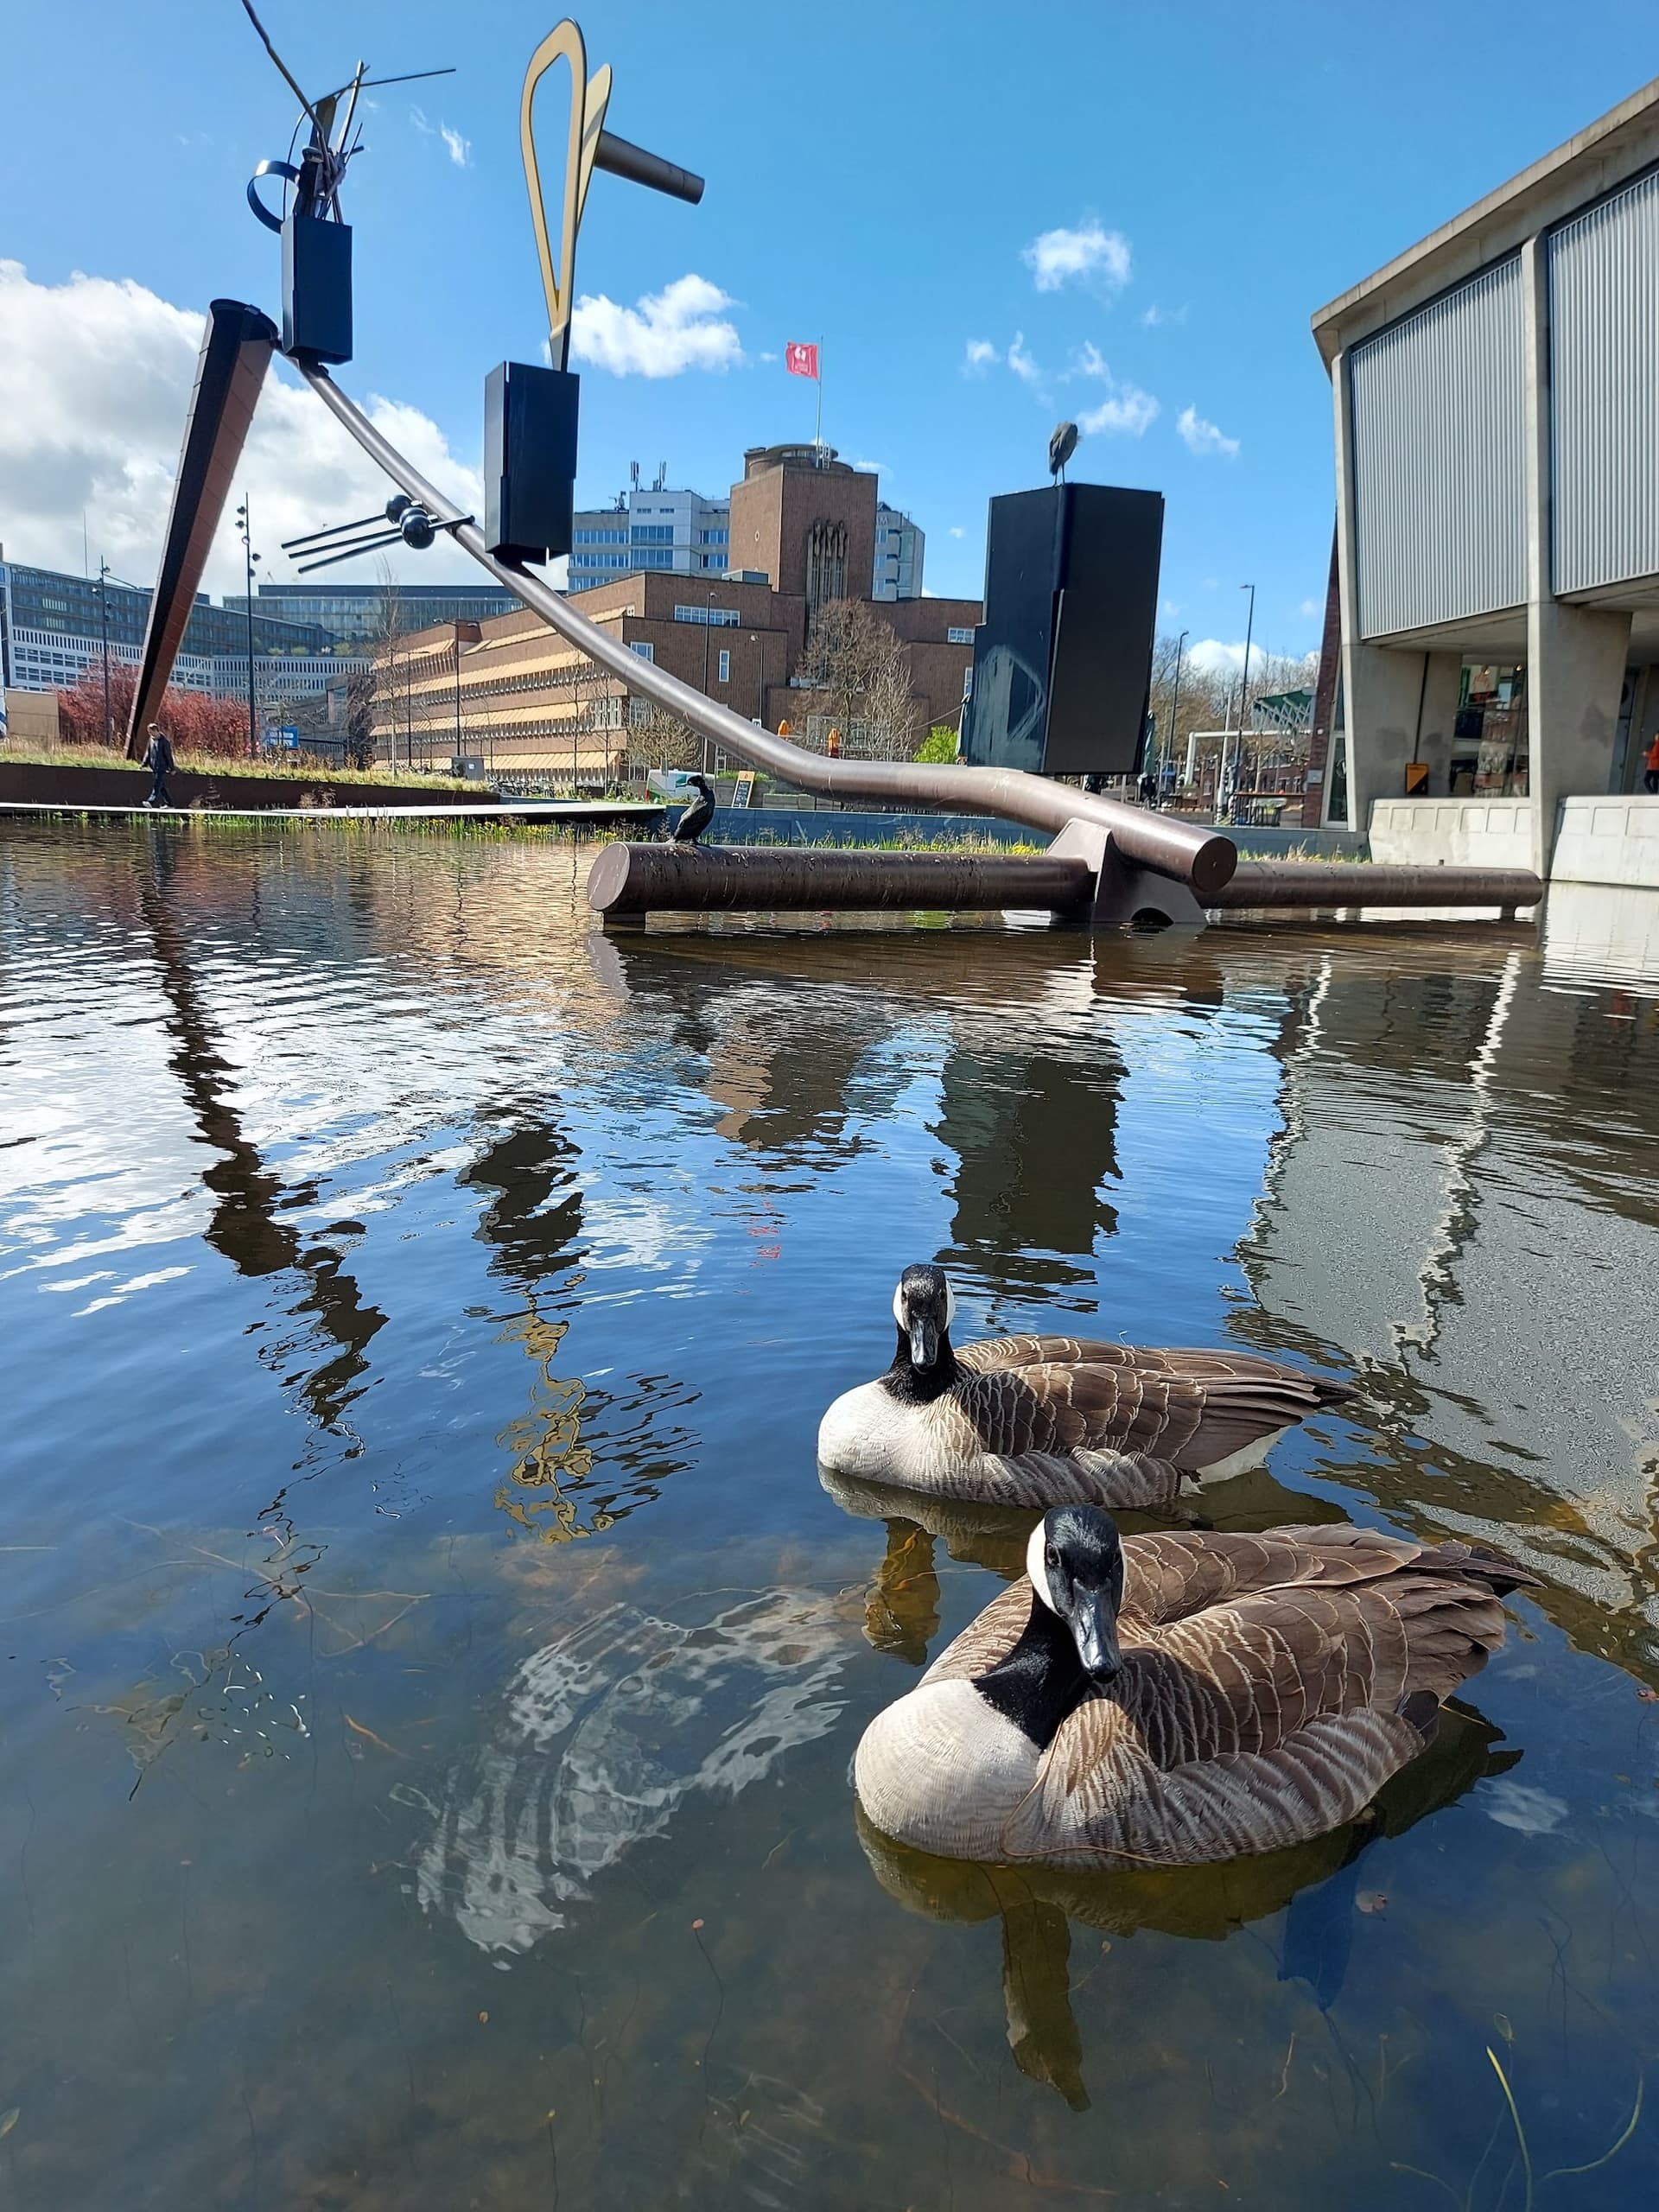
x=249, y=556
x=104, y=623
x=1175, y=703
x=1243, y=696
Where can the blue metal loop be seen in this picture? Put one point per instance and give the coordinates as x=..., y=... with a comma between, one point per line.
x=283, y=169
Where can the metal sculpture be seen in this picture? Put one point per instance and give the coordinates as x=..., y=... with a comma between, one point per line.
x=402, y=521
x=1109, y=863
x=236, y=350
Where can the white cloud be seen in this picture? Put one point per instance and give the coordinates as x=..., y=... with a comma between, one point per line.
x=418, y=116
x=95, y=376
x=1312, y=606
x=1201, y=437
x=1126, y=407
x=1090, y=254
x=766, y=357
x=461, y=150
x=981, y=355
x=956, y=531
x=682, y=327
x=1154, y=317
x=1217, y=657
x=1021, y=362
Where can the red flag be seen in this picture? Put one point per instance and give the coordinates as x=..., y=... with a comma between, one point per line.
x=801, y=361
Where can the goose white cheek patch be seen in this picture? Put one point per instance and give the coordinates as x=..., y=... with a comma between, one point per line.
x=899, y=1307
x=1035, y=1567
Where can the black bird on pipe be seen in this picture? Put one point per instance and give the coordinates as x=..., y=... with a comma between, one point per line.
x=696, y=818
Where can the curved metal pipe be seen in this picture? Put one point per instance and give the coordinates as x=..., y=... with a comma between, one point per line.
x=637, y=880
x=1202, y=857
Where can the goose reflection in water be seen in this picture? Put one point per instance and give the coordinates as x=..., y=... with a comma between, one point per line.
x=603, y=1733
x=1315, y=1885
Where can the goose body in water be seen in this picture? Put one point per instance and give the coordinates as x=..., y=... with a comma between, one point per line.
x=1167, y=1700
x=1038, y=1420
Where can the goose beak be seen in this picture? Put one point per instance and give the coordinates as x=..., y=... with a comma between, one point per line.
x=1094, y=1628
x=924, y=1340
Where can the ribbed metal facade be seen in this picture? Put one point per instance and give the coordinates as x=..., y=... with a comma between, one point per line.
x=1439, y=432
x=1604, y=374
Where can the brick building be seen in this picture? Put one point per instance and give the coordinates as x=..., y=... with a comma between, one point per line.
x=804, y=527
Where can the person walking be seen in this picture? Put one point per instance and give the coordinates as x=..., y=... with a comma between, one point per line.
x=1650, y=781
x=158, y=759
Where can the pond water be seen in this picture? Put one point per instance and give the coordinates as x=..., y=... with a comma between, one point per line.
x=429, y=1663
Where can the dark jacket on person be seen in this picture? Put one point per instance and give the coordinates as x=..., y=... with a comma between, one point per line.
x=158, y=758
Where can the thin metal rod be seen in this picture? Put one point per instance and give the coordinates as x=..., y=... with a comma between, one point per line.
x=364, y=545
x=1203, y=857
x=334, y=529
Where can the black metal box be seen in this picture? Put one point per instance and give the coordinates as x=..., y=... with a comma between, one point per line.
x=1063, y=660
x=316, y=289
x=529, y=461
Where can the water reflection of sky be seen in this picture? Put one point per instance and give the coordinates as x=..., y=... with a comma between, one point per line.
x=430, y=1663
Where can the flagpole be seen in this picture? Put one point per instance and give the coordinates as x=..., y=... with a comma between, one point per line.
x=817, y=431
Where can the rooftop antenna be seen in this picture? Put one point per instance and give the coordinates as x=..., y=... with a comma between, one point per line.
x=661, y=485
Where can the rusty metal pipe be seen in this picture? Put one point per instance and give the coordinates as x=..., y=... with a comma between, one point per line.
x=627, y=880
x=1371, y=883
x=1203, y=857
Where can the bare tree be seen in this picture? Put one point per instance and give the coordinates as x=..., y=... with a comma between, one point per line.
x=657, y=738
x=393, y=666
x=859, y=675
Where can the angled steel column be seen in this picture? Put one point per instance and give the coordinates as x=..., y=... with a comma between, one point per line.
x=236, y=350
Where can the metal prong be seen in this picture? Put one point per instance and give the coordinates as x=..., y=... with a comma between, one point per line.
x=622, y=158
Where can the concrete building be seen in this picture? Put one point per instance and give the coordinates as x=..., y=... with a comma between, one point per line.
x=523, y=701
x=1496, y=586
x=899, y=546
x=650, y=528
x=353, y=616
x=53, y=624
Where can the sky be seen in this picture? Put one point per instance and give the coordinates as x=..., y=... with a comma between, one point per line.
x=994, y=219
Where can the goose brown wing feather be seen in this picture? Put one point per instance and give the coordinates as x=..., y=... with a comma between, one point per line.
x=1047, y=1407
x=988, y=1639
x=1170, y=1576
x=1194, y=1363
x=1318, y=1778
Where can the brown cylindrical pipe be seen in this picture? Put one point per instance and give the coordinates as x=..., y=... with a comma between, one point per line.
x=1374, y=883
x=622, y=157
x=628, y=880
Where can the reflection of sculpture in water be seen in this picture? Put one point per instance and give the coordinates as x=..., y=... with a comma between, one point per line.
x=1317, y=1881
x=546, y=1443
x=603, y=1734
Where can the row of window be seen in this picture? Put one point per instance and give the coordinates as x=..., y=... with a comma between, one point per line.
x=599, y=536
x=717, y=618
x=652, y=533
x=954, y=637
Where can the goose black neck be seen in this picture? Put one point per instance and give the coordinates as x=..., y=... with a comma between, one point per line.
x=919, y=1386
x=1041, y=1679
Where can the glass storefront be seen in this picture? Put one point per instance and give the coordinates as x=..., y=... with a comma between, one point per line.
x=1490, y=743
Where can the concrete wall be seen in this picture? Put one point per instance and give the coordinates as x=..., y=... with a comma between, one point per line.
x=1609, y=841
x=1459, y=832
x=1612, y=841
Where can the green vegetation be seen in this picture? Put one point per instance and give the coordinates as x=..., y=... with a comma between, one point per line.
x=939, y=747
x=286, y=769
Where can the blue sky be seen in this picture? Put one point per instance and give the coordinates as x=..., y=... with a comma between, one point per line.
x=878, y=176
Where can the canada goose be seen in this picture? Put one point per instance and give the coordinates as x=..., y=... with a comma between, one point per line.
x=1167, y=1700
x=1313, y=1882
x=1036, y=1421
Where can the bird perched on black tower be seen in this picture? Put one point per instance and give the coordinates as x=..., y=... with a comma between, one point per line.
x=696, y=818
x=1061, y=446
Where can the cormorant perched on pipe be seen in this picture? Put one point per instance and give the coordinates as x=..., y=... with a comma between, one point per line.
x=695, y=817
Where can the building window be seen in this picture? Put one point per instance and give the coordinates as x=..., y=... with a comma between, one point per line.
x=826, y=564
x=725, y=666
x=964, y=637
x=717, y=618
x=645, y=652
x=653, y=533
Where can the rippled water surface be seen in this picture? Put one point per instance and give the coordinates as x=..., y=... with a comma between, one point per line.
x=429, y=1664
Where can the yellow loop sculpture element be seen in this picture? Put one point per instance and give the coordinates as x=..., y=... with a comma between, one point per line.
x=589, y=100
